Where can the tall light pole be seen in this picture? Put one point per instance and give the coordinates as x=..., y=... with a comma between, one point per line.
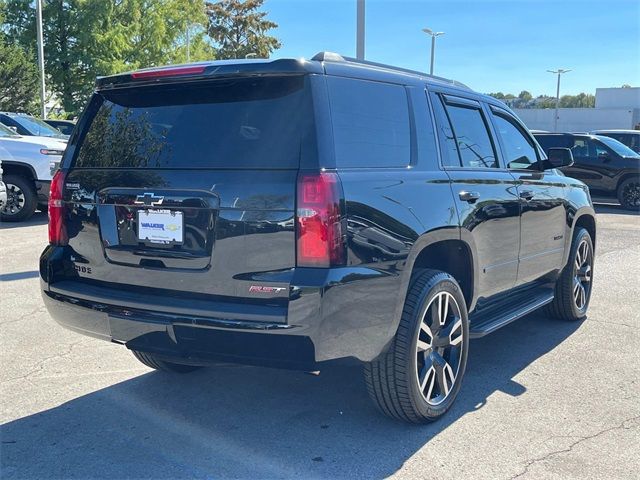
x=188, y=43
x=43, y=112
x=433, y=35
x=360, y=30
x=559, y=72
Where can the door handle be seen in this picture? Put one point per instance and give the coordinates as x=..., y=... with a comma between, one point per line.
x=470, y=197
x=526, y=194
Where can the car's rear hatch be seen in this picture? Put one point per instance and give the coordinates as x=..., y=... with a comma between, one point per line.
x=187, y=190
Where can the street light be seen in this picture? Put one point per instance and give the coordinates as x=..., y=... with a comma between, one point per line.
x=43, y=111
x=559, y=72
x=360, y=13
x=433, y=34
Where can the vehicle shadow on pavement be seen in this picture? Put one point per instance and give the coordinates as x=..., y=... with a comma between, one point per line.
x=236, y=421
x=38, y=218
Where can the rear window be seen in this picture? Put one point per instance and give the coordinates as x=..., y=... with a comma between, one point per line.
x=370, y=123
x=240, y=123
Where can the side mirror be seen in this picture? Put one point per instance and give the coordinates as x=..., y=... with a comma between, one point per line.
x=558, y=158
x=14, y=129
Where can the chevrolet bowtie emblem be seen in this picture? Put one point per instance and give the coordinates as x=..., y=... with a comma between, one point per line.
x=148, y=199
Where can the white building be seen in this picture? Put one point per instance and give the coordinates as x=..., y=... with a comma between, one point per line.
x=615, y=108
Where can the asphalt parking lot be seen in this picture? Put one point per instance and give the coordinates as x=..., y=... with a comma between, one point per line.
x=541, y=399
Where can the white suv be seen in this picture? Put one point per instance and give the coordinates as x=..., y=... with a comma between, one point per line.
x=26, y=162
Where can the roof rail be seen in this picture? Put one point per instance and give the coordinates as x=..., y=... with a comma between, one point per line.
x=335, y=57
x=328, y=57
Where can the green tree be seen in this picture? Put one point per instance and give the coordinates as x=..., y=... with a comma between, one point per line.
x=87, y=38
x=18, y=77
x=582, y=100
x=238, y=29
x=525, y=96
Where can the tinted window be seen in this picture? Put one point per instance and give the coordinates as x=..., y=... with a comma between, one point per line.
x=580, y=147
x=6, y=131
x=370, y=123
x=553, y=141
x=618, y=147
x=472, y=137
x=247, y=123
x=20, y=130
x=449, y=148
x=518, y=152
x=35, y=126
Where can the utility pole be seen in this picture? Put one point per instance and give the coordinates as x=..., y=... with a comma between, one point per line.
x=43, y=112
x=559, y=72
x=360, y=31
x=188, y=43
x=433, y=35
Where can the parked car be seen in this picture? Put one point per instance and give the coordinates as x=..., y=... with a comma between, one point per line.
x=27, y=162
x=608, y=167
x=325, y=217
x=65, y=126
x=3, y=189
x=27, y=125
x=630, y=138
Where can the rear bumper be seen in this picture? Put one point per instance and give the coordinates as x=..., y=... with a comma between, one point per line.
x=331, y=314
x=183, y=338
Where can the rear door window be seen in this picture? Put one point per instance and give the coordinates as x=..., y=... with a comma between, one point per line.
x=448, y=145
x=472, y=136
x=239, y=123
x=371, y=126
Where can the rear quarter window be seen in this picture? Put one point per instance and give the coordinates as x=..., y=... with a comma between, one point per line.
x=371, y=126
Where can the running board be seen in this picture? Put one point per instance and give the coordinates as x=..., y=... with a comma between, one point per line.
x=492, y=318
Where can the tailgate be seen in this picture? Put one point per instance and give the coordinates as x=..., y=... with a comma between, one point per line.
x=189, y=189
x=237, y=230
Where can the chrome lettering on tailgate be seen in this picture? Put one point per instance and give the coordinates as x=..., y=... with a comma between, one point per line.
x=265, y=289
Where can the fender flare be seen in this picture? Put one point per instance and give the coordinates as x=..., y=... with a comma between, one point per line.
x=586, y=210
x=19, y=164
x=424, y=241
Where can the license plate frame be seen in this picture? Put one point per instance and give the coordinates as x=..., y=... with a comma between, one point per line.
x=160, y=226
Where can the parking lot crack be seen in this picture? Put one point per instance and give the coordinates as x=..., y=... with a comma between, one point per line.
x=40, y=309
x=39, y=366
x=626, y=424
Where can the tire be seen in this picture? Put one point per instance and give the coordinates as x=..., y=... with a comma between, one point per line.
x=151, y=360
x=571, y=301
x=629, y=194
x=21, y=199
x=414, y=359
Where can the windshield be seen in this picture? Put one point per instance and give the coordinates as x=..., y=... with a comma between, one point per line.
x=36, y=126
x=247, y=123
x=7, y=132
x=618, y=147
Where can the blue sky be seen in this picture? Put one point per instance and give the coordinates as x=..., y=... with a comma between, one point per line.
x=491, y=45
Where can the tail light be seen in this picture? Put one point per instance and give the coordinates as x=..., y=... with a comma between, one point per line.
x=319, y=228
x=57, y=228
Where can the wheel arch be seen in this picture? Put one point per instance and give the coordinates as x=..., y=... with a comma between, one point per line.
x=18, y=168
x=626, y=176
x=445, y=250
x=585, y=217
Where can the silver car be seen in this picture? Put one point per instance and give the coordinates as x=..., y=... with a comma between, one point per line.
x=3, y=189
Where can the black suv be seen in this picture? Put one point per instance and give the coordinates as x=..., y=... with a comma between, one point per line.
x=292, y=212
x=608, y=167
